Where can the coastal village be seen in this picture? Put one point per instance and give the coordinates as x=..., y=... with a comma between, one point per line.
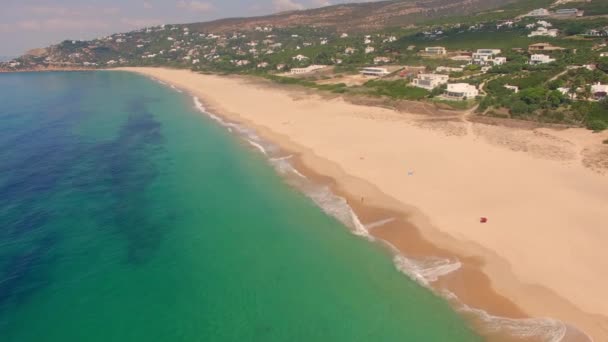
x=547, y=65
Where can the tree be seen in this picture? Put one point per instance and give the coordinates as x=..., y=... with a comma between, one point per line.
x=603, y=64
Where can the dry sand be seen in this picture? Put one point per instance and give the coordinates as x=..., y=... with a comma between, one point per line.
x=545, y=191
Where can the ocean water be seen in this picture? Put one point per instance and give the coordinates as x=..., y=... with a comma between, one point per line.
x=128, y=215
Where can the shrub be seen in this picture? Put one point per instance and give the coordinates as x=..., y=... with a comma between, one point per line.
x=597, y=125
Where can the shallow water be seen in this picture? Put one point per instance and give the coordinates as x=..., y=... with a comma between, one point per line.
x=129, y=216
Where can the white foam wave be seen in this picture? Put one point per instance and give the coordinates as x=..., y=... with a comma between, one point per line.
x=282, y=158
x=158, y=81
x=337, y=207
x=379, y=223
x=175, y=88
x=258, y=146
x=546, y=329
x=427, y=270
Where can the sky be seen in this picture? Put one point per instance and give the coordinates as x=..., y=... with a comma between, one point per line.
x=27, y=24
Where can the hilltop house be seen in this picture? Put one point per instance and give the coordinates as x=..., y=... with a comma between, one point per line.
x=430, y=81
x=435, y=50
x=513, y=88
x=461, y=91
x=540, y=59
x=374, y=71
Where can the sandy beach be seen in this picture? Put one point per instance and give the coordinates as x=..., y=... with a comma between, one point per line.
x=421, y=182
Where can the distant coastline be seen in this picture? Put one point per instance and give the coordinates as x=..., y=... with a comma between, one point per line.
x=49, y=69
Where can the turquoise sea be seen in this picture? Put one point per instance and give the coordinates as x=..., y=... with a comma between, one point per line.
x=128, y=215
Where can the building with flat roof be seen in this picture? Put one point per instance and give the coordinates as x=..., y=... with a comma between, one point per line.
x=599, y=91
x=308, y=69
x=462, y=91
x=435, y=50
x=544, y=32
x=430, y=81
x=567, y=12
x=539, y=12
x=541, y=59
x=448, y=69
x=374, y=71
x=543, y=47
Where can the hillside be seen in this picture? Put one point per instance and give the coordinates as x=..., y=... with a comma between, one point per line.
x=360, y=16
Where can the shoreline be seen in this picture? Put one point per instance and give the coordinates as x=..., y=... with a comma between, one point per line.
x=413, y=235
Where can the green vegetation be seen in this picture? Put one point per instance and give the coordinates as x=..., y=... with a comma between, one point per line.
x=399, y=89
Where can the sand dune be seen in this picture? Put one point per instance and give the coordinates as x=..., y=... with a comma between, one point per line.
x=544, y=191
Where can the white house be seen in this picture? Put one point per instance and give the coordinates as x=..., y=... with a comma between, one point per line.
x=369, y=49
x=448, y=69
x=299, y=58
x=378, y=60
x=515, y=89
x=461, y=91
x=430, y=81
x=544, y=32
x=484, y=56
x=599, y=91
x=539, y=12
x=541, y=59
x=481, y=58
x=499, y=60
x=373, y=71
x=311, y=68
x=349, y=51
x=262, y=65
x=489, y=51
x=344, y=35
x=544, y=23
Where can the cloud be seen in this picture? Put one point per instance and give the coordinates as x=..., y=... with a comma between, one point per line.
x=286, y=5
x=197, y=6
x=147, y=4
x=59, y=24
x=70, y=11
